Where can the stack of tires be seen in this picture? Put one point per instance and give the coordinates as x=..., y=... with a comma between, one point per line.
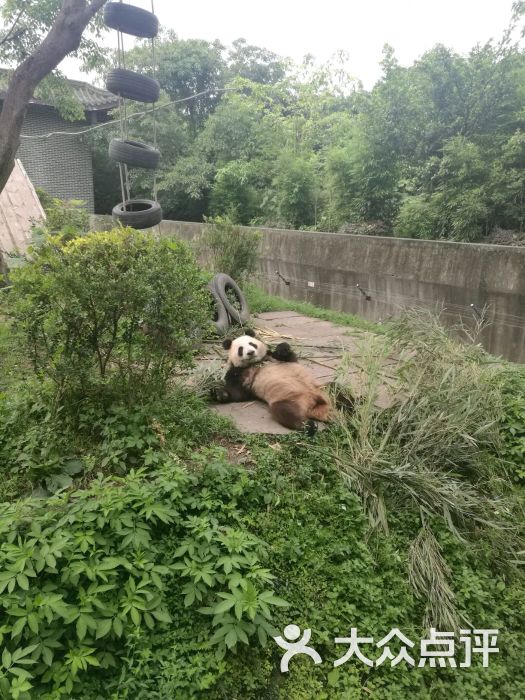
x=138, y=213
x=230, y=305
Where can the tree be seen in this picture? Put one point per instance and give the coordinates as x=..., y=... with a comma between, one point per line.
x=185, y=68
x=255, y=64
x=68, y=24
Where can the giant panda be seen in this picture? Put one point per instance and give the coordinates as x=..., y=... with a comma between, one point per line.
x=291, y=392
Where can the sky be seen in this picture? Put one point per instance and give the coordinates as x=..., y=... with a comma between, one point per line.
x=294, y=28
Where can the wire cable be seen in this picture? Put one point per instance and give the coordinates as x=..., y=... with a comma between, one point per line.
x=111, y=122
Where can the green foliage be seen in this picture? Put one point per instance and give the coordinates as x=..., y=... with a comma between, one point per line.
x=233, y=194
x=217, y=546
x=433, y=450
x=47, y=445
x=12, y=360
x=77, y=573
x=296, y=191
x=334, y=573
x=185, y=67
x=513, y=423
x=432, y=150
x=420, y=217
x=114, y=307
x=66, y=219
x=230, y=249
x=28, y=24
x=82, y=571
x=254, y=63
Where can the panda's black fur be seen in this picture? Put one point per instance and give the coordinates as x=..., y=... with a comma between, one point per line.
x=276, y=377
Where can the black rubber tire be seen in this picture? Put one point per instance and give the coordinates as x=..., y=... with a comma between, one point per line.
x=134, y=86
x=134, y=153
x=131, y=20
x=222, y=283
x=222, y=322
x=138, y=213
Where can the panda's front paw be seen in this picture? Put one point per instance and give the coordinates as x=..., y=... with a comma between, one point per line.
x=284, y=353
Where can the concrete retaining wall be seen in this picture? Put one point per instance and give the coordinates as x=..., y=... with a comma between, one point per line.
x=395, y=273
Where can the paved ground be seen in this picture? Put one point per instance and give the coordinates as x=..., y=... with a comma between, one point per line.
x=320, y=346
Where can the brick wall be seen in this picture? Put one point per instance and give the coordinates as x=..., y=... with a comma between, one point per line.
x=61, y=165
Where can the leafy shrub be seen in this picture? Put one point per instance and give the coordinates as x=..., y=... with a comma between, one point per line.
x=296, y=190
x=513, y=422
x=113, y=307
x=67, y=218
x=81, y=572
x=230, y=249
x=47, y=446
x=76, y=573
x=233, y=193
x=469, y=215
x=420, y=217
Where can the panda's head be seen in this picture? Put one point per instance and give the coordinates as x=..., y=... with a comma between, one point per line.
x=245, y=350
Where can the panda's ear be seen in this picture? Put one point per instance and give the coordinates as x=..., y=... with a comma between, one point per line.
x=250, y=332
x=227, y=343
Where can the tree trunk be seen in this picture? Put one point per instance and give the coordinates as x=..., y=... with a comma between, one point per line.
x=63, y=38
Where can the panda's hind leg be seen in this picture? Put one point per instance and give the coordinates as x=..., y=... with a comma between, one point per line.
x=288, y=413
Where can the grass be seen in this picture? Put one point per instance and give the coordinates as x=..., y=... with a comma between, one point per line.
x=12, y=361
x=259, y=302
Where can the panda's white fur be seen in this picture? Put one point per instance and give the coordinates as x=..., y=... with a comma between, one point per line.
x=291, y=392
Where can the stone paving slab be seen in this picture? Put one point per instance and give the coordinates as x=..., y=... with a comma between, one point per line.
x=320, y=346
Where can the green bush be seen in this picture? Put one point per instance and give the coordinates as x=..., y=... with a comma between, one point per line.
x=115, y=307
x=67, y=218
x=233, y=193
x=420, y=217
x=513, y=422
x=85, y=570
x=48, y=446
x=228, y=248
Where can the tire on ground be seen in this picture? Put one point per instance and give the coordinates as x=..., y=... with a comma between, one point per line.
x=131, y=20
x=138, y=213
x=222, y=284
x=221, y=321
x=134, y=153
x=134, y=86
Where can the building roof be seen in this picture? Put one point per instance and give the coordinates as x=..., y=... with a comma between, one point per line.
x=93, y=99
x=19, y=207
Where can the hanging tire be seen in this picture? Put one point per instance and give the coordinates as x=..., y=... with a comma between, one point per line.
x=134, y=86
x=138, y=213
x=134, y=153
x=131, y=20
x=223, y=284
x=220, y=320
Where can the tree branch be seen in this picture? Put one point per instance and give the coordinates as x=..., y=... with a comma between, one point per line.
x=6, y=38
x=63, y=38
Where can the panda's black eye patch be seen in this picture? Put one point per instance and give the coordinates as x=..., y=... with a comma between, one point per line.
x=254, y=345
x=240, y=351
